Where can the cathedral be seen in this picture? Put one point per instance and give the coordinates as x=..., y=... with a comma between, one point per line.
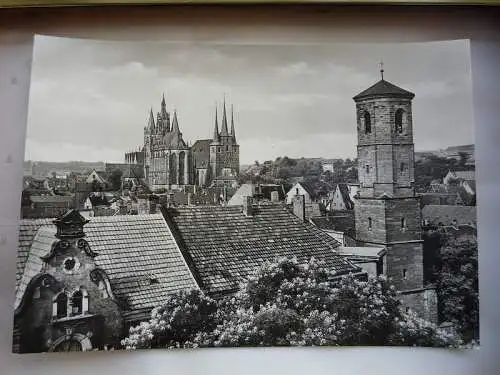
x=170, y=163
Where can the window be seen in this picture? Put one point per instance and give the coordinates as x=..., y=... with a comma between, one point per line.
x=297, y=191
x=61, y=306
x=398, y=120
x=369, y=223
x=368, y=122
x=367, y=168
x=77, y=303
x=403, y=223
x=404, y=273
x=402, y=168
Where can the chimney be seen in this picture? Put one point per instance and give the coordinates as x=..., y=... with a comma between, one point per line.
x=275, y=197
x=299, y=207
x=247, y=206
x=190, y=199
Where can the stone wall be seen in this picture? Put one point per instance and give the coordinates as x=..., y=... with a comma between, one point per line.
x=423, y=302
x=374, y=209
x=405, y=265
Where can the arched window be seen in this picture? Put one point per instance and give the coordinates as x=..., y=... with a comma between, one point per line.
x=368, y=122
x=398, y=121
x=77, y=303
x=61, y=306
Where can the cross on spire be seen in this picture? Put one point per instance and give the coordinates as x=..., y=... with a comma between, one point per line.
x=382, y=69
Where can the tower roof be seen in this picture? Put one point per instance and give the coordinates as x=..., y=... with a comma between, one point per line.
x=151, y=121
x=175, y=124
x=232, y=124
x=224, y=131
x=216, y=128
x=384, y=89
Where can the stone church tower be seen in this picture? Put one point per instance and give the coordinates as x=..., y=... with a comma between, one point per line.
x=224, y=149
x=388, y=212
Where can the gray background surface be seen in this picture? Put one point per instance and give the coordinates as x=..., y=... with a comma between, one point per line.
x=262, y=24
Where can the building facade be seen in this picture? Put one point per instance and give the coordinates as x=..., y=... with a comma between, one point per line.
x=170, y=163
x=387, y=210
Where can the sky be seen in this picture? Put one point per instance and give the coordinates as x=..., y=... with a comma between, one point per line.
x=90, y=100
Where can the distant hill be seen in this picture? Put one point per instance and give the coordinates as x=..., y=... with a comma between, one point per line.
x=46, y=168
x=452, y=152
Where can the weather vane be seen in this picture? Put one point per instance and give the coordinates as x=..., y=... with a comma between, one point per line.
x=382, y=69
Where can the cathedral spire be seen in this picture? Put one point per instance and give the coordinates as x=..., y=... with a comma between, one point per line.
x=216, y=127
x=163, y=104
x=224, y=131
x=151, y=121
x=175, y=124
x=232, y=124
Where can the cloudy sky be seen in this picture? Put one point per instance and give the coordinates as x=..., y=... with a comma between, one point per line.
x=90, y=100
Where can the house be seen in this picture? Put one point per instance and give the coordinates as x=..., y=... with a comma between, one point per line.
x=340, y=199
x=447, y=215
x=301, y=188
x=340, y=226
x=371, y=260
x=82, y=283
x=98, y=179
x=453, y=177
x=269, y=192
x=225, y=244
x=43, y=206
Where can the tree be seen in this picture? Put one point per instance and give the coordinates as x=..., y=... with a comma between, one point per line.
x=176, y=322
x=463, y=158
x=457, y=286
x=115, y=179
x=292, y=303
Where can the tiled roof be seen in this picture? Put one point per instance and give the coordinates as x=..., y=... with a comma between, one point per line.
x=245, y=190
x=344, y=192
x=340, y=223
x=384, y=88
x=465, y=175
x=51, y=198
x=445, y=214
x=225, y=246
x=130, y=250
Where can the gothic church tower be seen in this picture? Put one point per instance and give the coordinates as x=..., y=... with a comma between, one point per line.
x=387, y=212
x=224, y=149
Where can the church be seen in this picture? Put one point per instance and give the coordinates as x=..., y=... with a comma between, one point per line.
x=387, y=209
x=170, y=163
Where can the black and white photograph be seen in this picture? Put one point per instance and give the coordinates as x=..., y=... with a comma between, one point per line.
x=194, y=195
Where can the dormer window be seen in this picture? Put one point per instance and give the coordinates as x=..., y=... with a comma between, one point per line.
x=368, y=122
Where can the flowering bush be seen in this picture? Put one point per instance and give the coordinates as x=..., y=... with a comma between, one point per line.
x=176, y=322
x=289, y=303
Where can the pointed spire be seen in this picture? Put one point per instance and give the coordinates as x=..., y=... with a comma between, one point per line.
x=175, y=124
x=216, y=127
x=163, y=104
x=223, y=131
x=232, y=124
x=151, y=121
